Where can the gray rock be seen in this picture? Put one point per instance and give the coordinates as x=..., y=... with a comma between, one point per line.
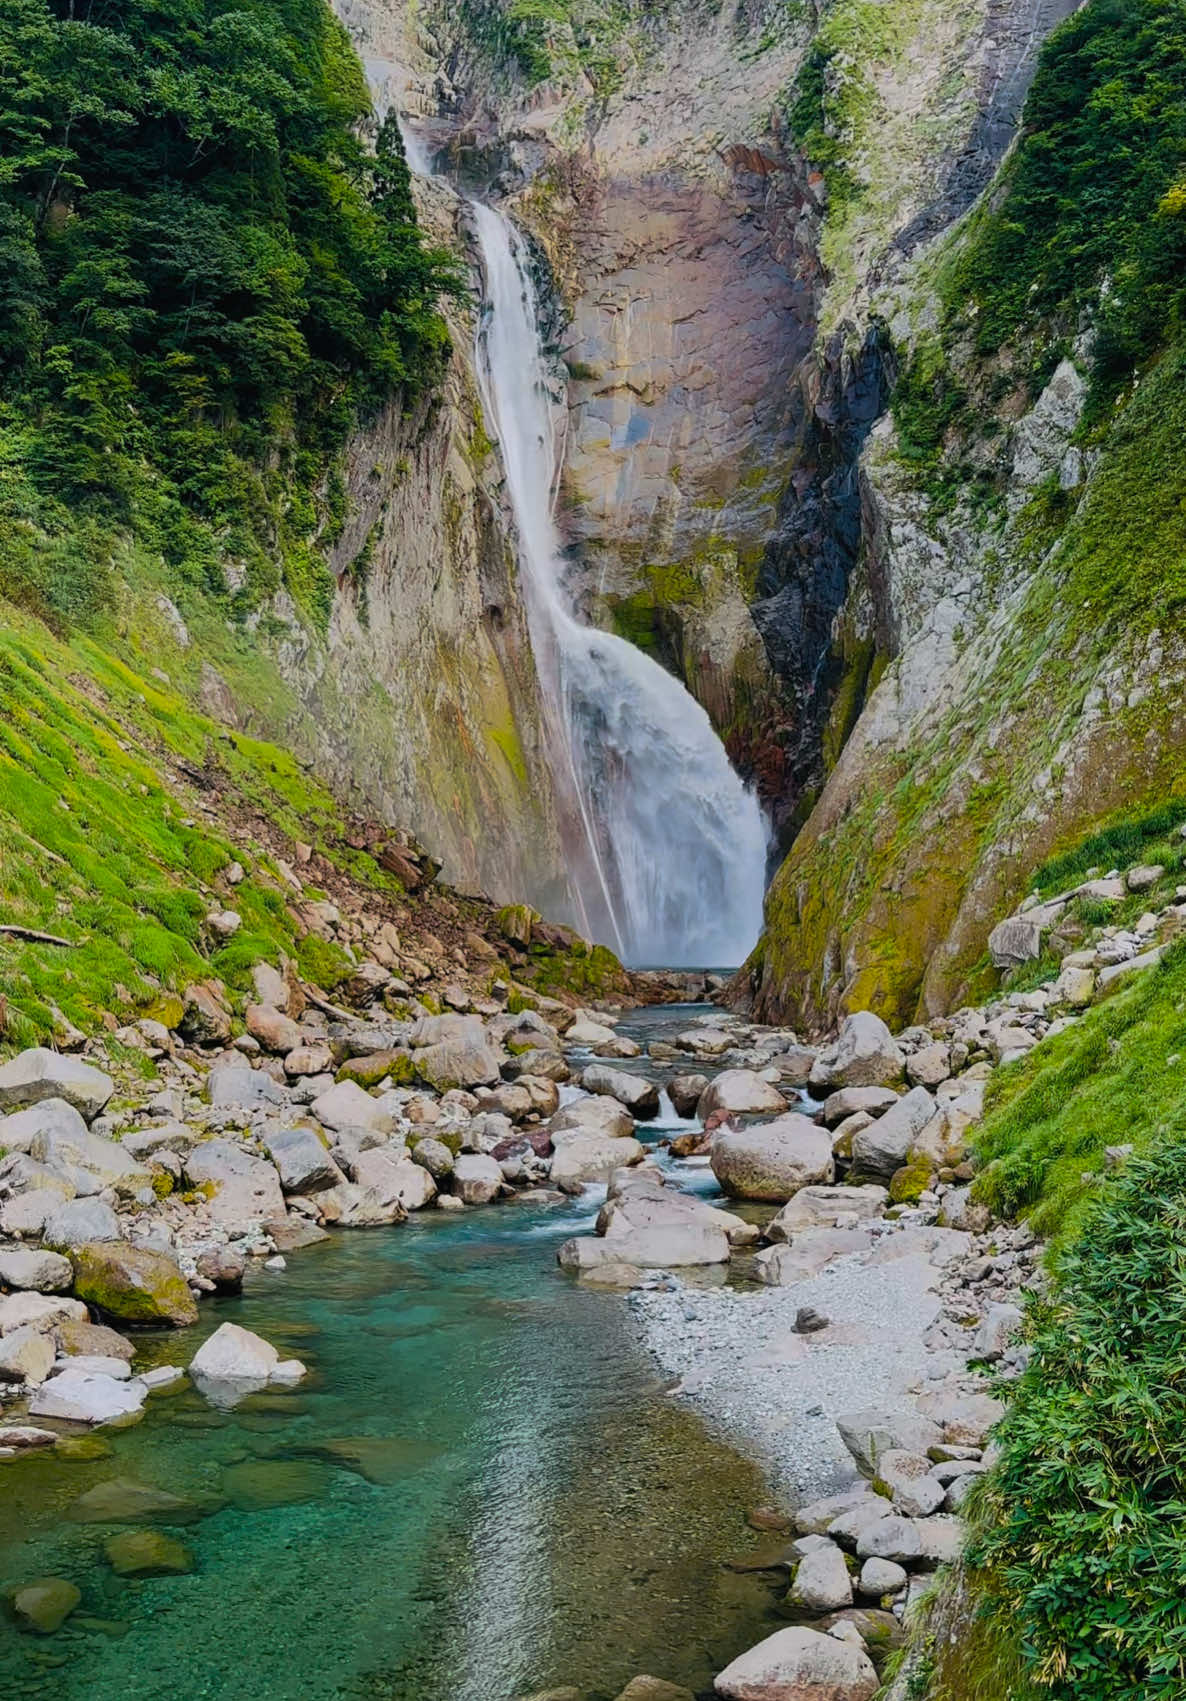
x=873, y=1431
x=107, y=1162
x=147, y=1143
x=26, y=1355
x=18, y=1130
x=883, y=1147
x=865, y=1055
x=476, y=1179
x=242, y=1189
x=807, y=1254
x=817, y=1207
x=1015, y=941
x=930, y=1066
x=303, y=1163
x=848, y=1100
x=881, y=1577
x=596, y=1114
x=892, y=1538
x=998, y=1327
x=243, y=1088
x=77, y=1221
x=388, y=1173
x=822, y=1583
x=684, y=1092
x=915, y=1493
x=772, y=1160
x=741, y=1092
x=347, y=1105
x=640, y=1096
x=81, y=1398
x=797, y=1664
x=581, y=1156
x=40, y=1074
x=42, y=1272
x=435, y=1157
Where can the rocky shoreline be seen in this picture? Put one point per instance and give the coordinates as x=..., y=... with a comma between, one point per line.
x=868, y=1291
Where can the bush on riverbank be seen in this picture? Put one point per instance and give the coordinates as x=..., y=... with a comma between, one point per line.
x=1076, y=1536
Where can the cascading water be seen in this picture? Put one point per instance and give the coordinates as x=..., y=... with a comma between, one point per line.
x=667, y=846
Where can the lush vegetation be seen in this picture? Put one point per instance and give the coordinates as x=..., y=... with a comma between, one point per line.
x=1094, y=211
x=1140, y=838
x=205, y=275
x=1078, y=1529
x=1118, y=1077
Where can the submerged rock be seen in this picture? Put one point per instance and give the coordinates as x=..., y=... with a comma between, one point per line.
x=147, y=1553
x=44, y=1605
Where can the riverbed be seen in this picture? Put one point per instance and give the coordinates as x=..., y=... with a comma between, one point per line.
x=481, y=1489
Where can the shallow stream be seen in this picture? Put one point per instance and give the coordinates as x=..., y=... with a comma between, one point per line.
x=480, y=1490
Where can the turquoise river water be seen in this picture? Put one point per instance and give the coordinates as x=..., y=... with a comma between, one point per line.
x=480, y=1490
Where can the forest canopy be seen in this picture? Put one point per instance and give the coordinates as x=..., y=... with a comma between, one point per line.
x=207, y=271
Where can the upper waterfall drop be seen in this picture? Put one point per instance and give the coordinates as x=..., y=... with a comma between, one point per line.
x=666, y=845
x=674, y=845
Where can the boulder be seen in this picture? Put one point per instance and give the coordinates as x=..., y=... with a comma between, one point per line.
x=26, y=1355
x=204, y=1018
x=810, y=1250
x=302, y=1161
x=476, y=1179
x=78, y=1335
x=586, y=1033
x=132, y=1283
x=234, y=1354
x=44, y=1605
x=147, y=1143
x=847, y=1101
x=794, y=1065
x=894, y=1538
x=822, y=1582
x=883, y=1147
x=593, y=1115
x=74, y=1221
x=640, y=1096
x=930, y=1066
x=873, y=1431
x=740, y=1092
x=44, y=1311
x=705, y=1042
x=435, y=1157
x=1015, y=941
x=313, y=1059
x=819, y=1207
x=108, y=1162
x=40, y=1074
x=239, y=1086
x=654, y=1229
x=41, y=1272
x=462, y=1062
x=389, y=1175
x=225, y=1266
x=797, y=1664
x=772, y=1160
x=78, y=1396
x=590, y=1156
x=241, y=1189
x=865, y=1055
x=684, y=1092
x=126, y=1500
x=913, y=1491
x=998, y=1328
x=880, y=1577
x=18, y=1130
x=347, y=1105
x=274, y=1030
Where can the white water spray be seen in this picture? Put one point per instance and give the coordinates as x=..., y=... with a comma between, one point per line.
x=667, y=847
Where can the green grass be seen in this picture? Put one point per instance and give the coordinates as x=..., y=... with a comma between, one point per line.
x=103, y=839
x=1077, y=1532
x=1122, y=844
x=1118, y=1077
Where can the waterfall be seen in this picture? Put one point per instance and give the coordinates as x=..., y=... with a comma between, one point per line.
x=666, y=846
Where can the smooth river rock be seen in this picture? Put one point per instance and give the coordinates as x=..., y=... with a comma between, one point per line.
x=640, y=1096
x=799, y=1665
x=741, y=1092
x=772, y=1160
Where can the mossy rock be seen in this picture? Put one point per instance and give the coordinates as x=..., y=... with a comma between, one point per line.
x=168, y=1009
x=132, y=1283
x=910, y=1182
x=147, y=1553
x=369, y=1071
x=515, y=922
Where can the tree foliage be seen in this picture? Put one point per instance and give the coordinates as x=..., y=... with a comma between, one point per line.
x=205, y=274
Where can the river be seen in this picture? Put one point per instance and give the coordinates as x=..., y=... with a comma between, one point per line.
x=480, y=1490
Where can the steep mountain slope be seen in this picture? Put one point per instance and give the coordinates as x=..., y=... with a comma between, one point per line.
x=1019, y=581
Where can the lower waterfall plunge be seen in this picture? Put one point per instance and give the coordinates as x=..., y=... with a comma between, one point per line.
x=666, y=845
